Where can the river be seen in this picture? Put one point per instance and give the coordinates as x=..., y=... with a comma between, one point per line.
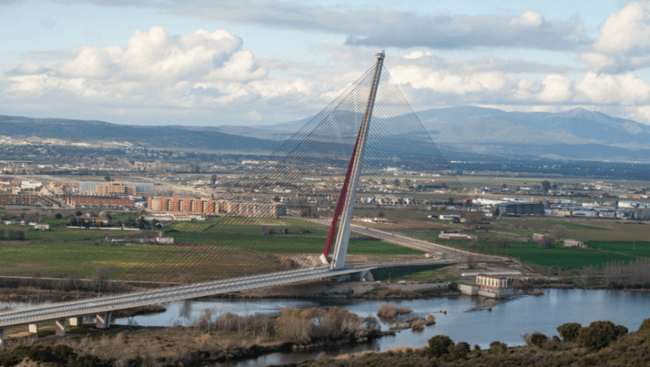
x=463, y=321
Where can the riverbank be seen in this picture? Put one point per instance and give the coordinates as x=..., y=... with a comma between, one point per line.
x=209, y=340
x=461, y=317
x=600, y=344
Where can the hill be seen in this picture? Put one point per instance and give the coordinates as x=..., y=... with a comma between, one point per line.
x=150, y=136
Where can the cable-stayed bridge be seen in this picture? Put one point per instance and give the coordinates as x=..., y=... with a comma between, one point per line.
x=366, y=142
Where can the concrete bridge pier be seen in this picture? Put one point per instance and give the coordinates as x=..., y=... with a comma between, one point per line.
x=33, y=328
x=103, y=320
x=76, y=321
x=59, y=326
x=367, y=275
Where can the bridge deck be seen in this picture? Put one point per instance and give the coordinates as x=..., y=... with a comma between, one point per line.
x=101, y=305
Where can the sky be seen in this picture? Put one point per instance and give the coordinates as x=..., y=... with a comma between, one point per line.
x=258, y=62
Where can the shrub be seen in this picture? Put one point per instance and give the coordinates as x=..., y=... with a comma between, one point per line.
x=645, y=325
x=538, y=339
x=459, y=351
x=496, y=347
x=431, y=320
x=439, y=346
x=418, y=325
x=597, y=335
x=391, y=311
x=569, y=331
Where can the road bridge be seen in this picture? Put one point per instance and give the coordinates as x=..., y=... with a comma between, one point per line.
x=102, y=307
x=363, y=96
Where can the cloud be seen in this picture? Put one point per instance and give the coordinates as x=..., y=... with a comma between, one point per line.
x=484, y=63
x=557, y=88
x=202, y=71
x=402, y=29
x=624, y=41
x=627, y=31
x=627, y=89
x=387, y=28
x=528, y=31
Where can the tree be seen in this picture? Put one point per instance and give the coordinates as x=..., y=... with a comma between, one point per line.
x=558, y=233
x=546, y=186
x=459, y=351
x=476, y=221
x=569, y=331
x=213, y=179
x=58, y=216
x=496, y=347
x=538, y=339
x=439, y=346
x=397, y=182
x=107, y=178
x=78, y=213
x=598, y=335
x=381, y=214
x=545, y=242
x=100, y=277
x=645, y=326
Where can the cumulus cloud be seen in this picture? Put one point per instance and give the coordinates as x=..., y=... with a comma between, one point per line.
x=158, y=70
x=624, y=41
x=557, y=88
x=627, y=31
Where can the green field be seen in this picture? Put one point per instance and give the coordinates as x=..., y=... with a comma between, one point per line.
x=247, y=233
x=598, y=254
x=567, y=224
x=412, y=273
x=79, y=252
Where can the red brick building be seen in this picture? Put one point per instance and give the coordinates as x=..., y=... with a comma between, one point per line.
x=208, y=206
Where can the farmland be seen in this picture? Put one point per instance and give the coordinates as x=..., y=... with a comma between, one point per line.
x=64, y=251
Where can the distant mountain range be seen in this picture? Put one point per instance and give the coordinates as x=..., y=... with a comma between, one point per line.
x=171, y=137
x=574, y=134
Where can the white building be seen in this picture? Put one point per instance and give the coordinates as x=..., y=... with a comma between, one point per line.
x=30, y=185
x=449, y=217
x=41, y=226
x=496, y=286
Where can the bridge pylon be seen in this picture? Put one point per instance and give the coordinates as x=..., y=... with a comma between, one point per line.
x=345, y=204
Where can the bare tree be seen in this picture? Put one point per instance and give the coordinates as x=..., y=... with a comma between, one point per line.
x=470, y=262
x=99, y=279
x=558, y=233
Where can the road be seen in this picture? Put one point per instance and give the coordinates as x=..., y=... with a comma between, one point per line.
x=438, y=251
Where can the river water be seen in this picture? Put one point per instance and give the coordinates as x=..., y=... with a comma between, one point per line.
x=466, y=319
